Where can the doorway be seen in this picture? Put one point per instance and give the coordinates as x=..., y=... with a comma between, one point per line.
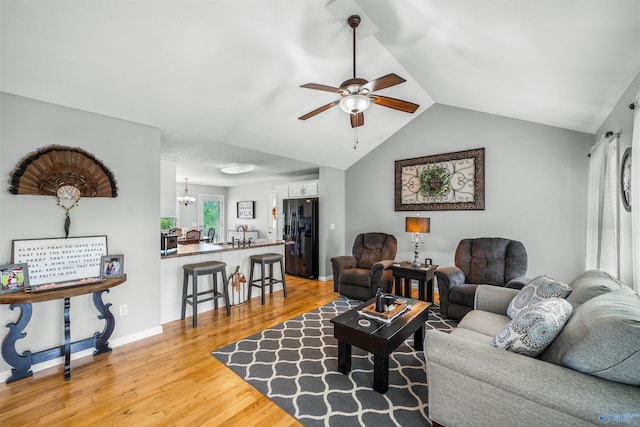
x=211, y=215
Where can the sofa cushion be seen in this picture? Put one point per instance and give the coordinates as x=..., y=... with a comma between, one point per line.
x=483, y=322
x=534, y=328
x=470, y=335
x=602, y=338
x=491, y=260
x=591, y=284
x=369, y=248
x=540, y=288
x=356, y=276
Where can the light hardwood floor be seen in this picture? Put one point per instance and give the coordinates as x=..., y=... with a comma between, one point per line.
x=170, y=379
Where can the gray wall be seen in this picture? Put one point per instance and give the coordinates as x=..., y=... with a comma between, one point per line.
x=535, y=188
x=332, y=214
x=130, y=221
x=621, y=120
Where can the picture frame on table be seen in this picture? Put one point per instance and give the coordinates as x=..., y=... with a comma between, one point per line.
x=14, y=278
x=246, y=210
x=112, y=266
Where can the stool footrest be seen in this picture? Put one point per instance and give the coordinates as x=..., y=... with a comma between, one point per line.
x=264, y=260
x=189, y=299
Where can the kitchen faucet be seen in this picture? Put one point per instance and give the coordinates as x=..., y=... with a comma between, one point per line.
x=244, y=233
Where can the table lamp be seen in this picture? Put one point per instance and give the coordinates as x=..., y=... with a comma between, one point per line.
x=417, y=225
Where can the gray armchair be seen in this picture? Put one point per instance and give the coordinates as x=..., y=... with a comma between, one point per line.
x=359, y=276
x=486, y=260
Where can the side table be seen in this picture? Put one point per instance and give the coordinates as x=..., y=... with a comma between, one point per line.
x=424, y=275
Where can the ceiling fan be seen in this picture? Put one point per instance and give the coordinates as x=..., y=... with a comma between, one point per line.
x=357, y=93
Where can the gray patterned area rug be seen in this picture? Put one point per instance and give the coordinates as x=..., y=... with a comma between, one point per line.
x=295, y=364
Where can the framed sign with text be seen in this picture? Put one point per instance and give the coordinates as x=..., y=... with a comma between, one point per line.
x=59, y=259
x=245, y=210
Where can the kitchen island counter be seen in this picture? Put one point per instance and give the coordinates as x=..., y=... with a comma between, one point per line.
x=237, y=256
x=207, y=248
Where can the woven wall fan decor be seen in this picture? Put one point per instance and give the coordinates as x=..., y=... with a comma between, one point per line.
x=67, y=173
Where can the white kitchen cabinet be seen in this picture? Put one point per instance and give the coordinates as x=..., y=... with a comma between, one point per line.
x=303, y=189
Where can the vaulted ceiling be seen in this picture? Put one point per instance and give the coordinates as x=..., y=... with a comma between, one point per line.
x=222, y=78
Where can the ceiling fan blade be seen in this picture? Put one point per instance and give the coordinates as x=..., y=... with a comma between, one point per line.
x=319, y=110
x=317, y=86
x=357, y=119
x=383, y=82
x=396, y=104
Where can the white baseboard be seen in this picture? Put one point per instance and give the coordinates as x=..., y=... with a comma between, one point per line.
x=89, y=351
x=325, y=278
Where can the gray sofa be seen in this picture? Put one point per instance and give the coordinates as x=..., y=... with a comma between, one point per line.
x=589, y=375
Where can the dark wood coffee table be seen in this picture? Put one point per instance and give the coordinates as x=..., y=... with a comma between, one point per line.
x=379, y=338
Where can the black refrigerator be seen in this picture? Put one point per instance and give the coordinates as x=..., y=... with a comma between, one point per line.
x=301, y=228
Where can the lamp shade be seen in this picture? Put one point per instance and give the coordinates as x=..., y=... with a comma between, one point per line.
x=417, y=224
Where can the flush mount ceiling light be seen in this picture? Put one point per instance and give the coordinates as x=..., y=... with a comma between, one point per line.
x=237, y=168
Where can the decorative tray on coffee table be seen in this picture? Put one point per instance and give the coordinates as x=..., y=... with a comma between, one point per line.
x=387, y=316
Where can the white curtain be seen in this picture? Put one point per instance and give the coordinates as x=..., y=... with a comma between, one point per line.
x=602, y=208
x=635, y=195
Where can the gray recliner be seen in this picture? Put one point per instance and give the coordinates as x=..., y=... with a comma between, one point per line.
x=485, y=260
x=360, y=275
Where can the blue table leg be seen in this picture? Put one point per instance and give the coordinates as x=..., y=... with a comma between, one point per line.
x=102, y=338
x=21, y=364
x=67, y=340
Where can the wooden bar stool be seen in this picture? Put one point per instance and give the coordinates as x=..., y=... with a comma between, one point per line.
x=203, y=269
x=266, y=259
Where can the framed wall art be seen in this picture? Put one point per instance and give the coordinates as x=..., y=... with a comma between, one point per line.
x=443, y=182
x=245, y=210
x=59, y=259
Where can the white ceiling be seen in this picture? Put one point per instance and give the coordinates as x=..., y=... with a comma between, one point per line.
x=221, y=77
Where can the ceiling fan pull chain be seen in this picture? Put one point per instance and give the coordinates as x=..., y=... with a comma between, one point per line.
x=355, y=137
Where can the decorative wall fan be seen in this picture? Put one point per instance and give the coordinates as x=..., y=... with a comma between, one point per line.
x=357, y=93
x=67, y=173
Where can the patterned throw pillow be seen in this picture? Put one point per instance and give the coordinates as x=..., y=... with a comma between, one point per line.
x=540, y=288
x=535, y=327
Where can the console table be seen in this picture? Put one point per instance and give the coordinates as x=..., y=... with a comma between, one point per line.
x=21, y=363
x=424, y=276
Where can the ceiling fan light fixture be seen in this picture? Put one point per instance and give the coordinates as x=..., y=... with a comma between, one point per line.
x=354, y=104
x=237, y=168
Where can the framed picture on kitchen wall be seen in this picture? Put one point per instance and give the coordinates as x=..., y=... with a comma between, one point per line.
x=246, y=210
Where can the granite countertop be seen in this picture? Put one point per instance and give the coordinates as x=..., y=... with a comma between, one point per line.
x=206, y=248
